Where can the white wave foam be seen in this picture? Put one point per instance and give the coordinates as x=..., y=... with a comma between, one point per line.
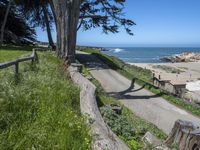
x=117, y=50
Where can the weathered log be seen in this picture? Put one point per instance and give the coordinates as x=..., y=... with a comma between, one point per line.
x=185, y=134
x=103, y=137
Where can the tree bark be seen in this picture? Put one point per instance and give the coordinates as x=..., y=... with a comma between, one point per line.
x=67, y=15
x=4, y=22
x=46, y=18
x=53, y=11
x=185, y=135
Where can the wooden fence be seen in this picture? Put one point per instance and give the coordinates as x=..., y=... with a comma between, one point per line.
x=33, y=58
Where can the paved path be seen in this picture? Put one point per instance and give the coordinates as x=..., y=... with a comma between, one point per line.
x=143, y=103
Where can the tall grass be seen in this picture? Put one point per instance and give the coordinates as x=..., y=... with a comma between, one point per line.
x=40, y=109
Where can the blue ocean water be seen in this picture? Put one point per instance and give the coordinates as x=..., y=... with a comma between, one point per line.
x=146, y=55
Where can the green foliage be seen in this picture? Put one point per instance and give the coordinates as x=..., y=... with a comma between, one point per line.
x=112, y=9
x=121, y=127
x=42, y=110
x=115, y=64
x=182, y=104
x=118, y=123
x=142, y=126
x=17, y=29
x=89, y=50
x=134, y=144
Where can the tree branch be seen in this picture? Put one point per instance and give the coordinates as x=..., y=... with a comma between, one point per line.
x=92, y=16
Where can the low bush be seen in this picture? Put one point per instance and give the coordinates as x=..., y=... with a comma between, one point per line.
x=118, y=123
x=121, y=127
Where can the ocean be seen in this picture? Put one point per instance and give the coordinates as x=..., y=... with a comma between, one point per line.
x=146, y=55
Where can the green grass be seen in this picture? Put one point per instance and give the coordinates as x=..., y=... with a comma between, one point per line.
x=17, y=47
x=40, y=108
x=143, y=77
x=6, y=55
x=11, y=52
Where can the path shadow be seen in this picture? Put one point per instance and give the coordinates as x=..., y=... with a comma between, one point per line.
x=91, y=61
x=124, y=94
x=132, y=97
x=130, y=89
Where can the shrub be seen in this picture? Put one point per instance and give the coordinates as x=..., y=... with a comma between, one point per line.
x=119, y=124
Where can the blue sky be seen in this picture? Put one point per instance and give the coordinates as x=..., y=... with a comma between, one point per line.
x=159, y=23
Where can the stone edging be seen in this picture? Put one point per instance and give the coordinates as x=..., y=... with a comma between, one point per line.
x=103, y=137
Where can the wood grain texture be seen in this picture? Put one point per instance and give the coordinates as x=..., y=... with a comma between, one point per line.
x=186, y=135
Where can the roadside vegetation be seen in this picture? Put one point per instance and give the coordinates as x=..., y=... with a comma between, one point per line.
x=168, y=69
x=144, y=78
x=40, y=108
x=129, y=127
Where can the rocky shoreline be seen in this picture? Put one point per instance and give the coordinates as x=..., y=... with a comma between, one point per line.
x=183, y=57
x=90, y=47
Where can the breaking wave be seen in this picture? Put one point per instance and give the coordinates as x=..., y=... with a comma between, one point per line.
x=117, y=50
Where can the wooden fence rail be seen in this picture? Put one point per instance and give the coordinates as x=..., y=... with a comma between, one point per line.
x=16, y=62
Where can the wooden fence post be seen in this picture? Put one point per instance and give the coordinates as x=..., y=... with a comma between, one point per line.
x=16, y=68
x=33, y=57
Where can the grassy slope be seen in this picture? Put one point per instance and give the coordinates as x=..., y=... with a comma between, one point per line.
x=11, y=55
x=40, y=110
x=143, y=77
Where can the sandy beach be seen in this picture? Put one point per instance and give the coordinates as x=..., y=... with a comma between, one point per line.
x=184, y=72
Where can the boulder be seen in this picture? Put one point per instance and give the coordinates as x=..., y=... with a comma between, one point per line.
x=157, y=144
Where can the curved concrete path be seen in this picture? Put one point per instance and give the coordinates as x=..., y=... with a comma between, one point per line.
x=143, y=103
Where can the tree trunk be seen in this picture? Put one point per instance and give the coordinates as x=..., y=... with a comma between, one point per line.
x=4, y=22
x=67, y=15
x=185, y=135
x=46, y=18
x=53, y=11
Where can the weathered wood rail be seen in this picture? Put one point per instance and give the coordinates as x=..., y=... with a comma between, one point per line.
x=33, y=58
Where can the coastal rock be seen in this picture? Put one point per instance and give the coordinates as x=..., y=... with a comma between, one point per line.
x=183, y=57
x=154, y=141
x=168, y=59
